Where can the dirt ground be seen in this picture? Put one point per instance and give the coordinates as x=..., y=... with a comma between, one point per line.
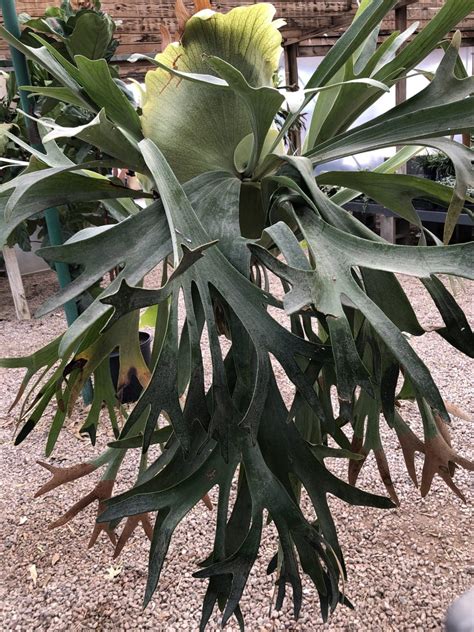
x=405, y=565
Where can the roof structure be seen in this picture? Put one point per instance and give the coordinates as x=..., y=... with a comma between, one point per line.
x=311, y=25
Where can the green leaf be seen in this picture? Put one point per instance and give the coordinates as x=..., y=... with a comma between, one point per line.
x=387, y=67
x=106, y=136
x=98, y=83
x=332, y=283
x=51, y=154
x=396, y=192
x=350, y=41
x=345, y=46
x=343, y=196
x=463, y=161
x=390, y=130
x=62, y=94
x=262, y=104
x=444, y=107
x=54, y=188
x=159, y=436
x=91, y=35
x=212, y=118
x=457, y=330
x=62, y=70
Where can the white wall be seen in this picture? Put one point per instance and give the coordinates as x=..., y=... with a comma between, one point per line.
x=29, y=262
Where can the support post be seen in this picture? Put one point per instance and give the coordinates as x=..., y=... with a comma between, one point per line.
x=16, y=284
x=291, y=67
x=401, y=19
x=388, y=225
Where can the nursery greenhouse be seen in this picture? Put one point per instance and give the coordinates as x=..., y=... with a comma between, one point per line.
x=236, y=311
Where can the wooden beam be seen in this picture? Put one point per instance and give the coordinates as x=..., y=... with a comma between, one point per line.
x=401, y=20
x=16, y=284
x=388, y=225
x=291, y=65
x=338, y=23
x=405, y=3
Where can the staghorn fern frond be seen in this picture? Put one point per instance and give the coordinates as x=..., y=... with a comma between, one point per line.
x=227, y=210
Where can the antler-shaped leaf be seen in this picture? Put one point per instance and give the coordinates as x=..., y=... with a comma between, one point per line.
x=332, y=283
x=410, y=444
x=129, y=527
x=440, y=458
x=101, y=492
x=62, y=475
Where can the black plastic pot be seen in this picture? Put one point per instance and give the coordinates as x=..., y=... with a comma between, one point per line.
x=132, y=391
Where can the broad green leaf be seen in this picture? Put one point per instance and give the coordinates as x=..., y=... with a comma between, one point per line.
x=58, y=188
x=262, y=104
x=51, y=154
x=457, y=330
x=343, y=196
x=390, y=130
x=104, y=135
x=103, y=252
x=332, y=284
x=345, y=46
x=91, y=35
x=159, y=436
x=98, y=83
x=438, y=119
x=211, y=118
x=350, y=41
x=327, y=122
x=451, y=13
x=22, y=183
x=45, y=57
x=63, y=94
x=354, y=100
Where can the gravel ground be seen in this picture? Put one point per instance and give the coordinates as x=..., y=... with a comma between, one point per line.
x=405, y=565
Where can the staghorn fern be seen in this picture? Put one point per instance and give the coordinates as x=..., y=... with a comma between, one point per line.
x=227, y=208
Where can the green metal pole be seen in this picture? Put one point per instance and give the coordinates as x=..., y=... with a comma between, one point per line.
x=23, y=79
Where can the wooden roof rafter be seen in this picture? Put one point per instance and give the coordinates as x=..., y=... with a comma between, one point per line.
x=336, y=24
x=312, y=26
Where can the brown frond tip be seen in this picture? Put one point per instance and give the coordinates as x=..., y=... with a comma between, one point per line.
x=440, y=459
x=104, y=494
x=355, y=466
x=165, y=37
x=410, y=444
x=208, y=502
x=63, y=475
x=384, y=471
x=200, y=5
x=182, y=15
x=130, y=525
x=101, y=492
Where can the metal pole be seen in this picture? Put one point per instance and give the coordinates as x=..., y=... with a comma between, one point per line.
x=23, y=79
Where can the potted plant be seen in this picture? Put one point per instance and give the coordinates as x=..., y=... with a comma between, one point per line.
x=227, y=210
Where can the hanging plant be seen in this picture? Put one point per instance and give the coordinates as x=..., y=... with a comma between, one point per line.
x=227, y=210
